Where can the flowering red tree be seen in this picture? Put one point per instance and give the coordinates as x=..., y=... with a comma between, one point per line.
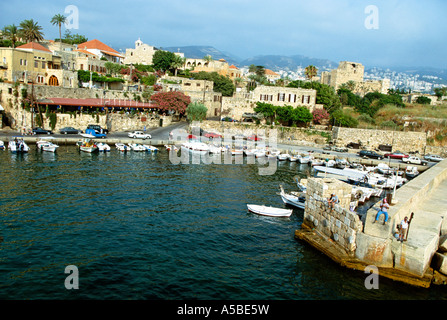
x=173, y=100
x=320, y=115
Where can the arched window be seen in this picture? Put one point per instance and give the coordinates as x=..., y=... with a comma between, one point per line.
x=53, y=81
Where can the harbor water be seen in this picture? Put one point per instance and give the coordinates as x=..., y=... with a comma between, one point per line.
x=137, y=226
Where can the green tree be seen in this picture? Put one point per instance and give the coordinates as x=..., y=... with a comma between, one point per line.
x=302, y=115
x=341, y=119
x=11, y=32
x=423, y=100
x=440, y=92
x=268, y=110
x=221, y=84
x=162, y=60
x=177, y=63
x=30, y=31
x=59, y=19
x=196, y=111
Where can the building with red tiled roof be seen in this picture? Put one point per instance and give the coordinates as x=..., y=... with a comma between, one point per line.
x=33, y=46
x=100, y=49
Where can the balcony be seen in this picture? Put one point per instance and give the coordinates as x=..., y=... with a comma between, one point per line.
x=3, y=65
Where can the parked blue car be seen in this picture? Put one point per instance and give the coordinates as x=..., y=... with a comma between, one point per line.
x=95, y=133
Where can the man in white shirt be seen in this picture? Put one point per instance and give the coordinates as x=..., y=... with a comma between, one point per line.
x=403, y=230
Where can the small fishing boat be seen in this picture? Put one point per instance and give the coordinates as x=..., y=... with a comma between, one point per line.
x=17, y=144
x=103, y=147
x=150, y=148
x=269, y=211
x=2, y=145
x=305, y=159
x=122, y=147
x=411, y=172
x=87, y=145
x=45, y=145
x=293, y=158
x=170, y=147
x=297, y=199
x=137, y=147
x=283, y=156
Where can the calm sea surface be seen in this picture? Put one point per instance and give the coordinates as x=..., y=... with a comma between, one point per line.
x=139, y=227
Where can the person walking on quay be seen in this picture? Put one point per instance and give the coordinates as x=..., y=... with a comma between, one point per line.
x=384, y=206
x=403, y=230
x=333, y=200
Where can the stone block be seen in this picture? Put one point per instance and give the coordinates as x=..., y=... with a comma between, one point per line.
x=439, y=262
x=442, y=244
x=373, y=250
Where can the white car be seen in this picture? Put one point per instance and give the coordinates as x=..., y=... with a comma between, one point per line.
x=414, y=160
x=433, y=157
x=139, y=135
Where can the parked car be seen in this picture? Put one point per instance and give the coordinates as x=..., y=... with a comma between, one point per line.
x=396, y=155
x=229, y=119
x=139, y=135
x=69, y=130
x=41, y=131
x=433, y=157
x=341, y=149
x=212, y=135
x=254, y=137
x=97, y=128
x=370, y=154
x=415, y=160
x=95, y=133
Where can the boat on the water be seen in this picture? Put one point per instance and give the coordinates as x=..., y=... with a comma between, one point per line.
x=45, y=144
x=296, y=199
x=18, y=145
x=103, y=147
x=269, y=211
x=150, y=148
x=87, y=145
x=122, y=147
x=137, y=147
x=2, y=145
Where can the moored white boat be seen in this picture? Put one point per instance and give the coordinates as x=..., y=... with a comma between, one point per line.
x=293, y=158
x=283, y=156
x=269, y=211
x=45, y=144
x=103, y=147
x=136, y=147
x=305, y=159
x=122, y=147
x=2, y=145
x=17, y=144
x=170, y=147
x=150, y=148
x=87, y=145
x=296, y=200
x=194, y=146
x=411, y=172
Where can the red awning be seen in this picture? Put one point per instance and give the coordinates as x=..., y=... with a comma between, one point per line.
x=118, y=103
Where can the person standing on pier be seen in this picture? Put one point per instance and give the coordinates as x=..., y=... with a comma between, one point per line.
x=403, y=230
x=333, y=200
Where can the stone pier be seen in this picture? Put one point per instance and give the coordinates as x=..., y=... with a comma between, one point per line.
x=419, y=261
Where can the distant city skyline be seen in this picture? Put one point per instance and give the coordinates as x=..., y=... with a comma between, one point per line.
x=374, y=32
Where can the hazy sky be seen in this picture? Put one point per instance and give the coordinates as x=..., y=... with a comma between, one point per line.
x=392, y=33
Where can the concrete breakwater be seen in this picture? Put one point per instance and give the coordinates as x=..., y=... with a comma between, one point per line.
x=339, y=233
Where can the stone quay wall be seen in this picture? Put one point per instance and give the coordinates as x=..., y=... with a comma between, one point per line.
x=339, y=224
x=371, y=139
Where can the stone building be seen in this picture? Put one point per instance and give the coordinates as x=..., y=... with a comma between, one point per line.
x=34, y=63
x=142, y=54
x=285, y=96
x=353, y=73
x=198, y=90
x=101, y=50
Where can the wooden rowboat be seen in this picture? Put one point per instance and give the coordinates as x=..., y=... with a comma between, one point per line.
x=269, y=211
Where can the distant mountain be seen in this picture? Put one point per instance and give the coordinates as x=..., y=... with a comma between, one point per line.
x=198, y=52
x=289, y=63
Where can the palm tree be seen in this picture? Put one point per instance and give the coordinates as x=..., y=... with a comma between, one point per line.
x=59, y=19
x=30, y=31
x=177, y=62
x=310, y=72
x=11, y=32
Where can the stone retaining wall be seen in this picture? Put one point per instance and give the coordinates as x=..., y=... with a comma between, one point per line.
x=340, y=224
x=407, y=141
